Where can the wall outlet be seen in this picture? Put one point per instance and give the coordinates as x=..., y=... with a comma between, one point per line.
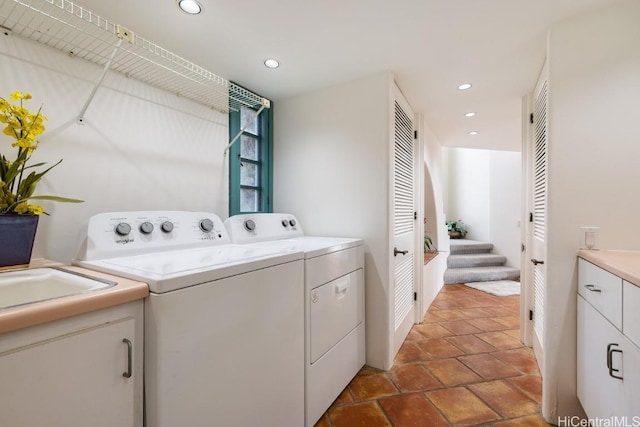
x=589, y=237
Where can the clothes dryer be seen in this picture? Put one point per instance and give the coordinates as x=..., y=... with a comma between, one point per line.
x=333, y=301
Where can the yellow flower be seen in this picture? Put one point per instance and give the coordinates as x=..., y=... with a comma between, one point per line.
x=23, y=127
x=22, y=208
x=36, y=209
x=19, y=96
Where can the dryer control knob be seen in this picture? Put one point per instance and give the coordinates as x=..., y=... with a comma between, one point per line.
x=285, y=223
x=206, y=225
x=123, y=229
x=146, y=227
x=292, y=222
x=250, y=225
x=166, y=227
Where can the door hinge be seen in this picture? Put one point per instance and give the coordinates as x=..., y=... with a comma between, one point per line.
x=415, y=134
x=415, y=296
x=415, y=215
x=530, y=216
x=531, y=118
x=530, y=314
x=522, y=247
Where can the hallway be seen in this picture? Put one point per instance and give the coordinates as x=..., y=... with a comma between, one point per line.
x=464, y=366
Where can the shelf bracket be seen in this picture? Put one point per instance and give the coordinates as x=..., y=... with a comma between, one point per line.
x=265, y=104
x=122, y=34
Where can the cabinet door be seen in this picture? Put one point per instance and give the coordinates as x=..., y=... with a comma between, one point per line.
x=69, y=381
x=629, y=359
x=600, y=394
x=631, y=312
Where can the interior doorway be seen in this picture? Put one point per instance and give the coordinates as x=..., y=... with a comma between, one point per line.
x=483, y=191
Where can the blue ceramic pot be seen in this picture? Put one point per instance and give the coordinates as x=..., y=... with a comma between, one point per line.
x=17, y=234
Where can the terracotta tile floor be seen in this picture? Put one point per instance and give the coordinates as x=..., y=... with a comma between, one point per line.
x=464, y=366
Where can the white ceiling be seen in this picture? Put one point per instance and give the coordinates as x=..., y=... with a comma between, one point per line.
x=431, y=46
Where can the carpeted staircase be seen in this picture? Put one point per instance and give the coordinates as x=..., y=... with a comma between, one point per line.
x=472, y=261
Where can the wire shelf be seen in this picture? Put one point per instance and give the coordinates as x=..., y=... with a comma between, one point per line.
x=79, y=32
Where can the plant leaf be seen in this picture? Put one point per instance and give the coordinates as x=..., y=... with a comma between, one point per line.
x=56, y=199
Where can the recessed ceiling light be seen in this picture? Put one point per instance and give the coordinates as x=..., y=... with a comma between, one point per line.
x=191, y=7
x=469, y=114
x=271, y=63
x=464, y=86
x=473, y=132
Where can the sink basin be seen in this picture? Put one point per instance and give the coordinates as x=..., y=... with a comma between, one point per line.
x=39, y=284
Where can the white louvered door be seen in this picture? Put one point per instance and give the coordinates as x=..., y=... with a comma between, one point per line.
x=539, y=158
x=403, y=220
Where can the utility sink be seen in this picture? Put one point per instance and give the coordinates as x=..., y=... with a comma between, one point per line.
x=40, y=284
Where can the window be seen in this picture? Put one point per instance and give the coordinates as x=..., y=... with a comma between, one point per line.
x=250, y=161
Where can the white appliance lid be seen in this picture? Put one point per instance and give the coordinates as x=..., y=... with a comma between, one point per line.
x=167, y=271
x=312, y=246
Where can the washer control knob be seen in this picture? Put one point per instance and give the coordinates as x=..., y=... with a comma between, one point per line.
x=123, y=229
x=166, y=227
x=285, y=223
x=292, y=222
x=250, y=225
x=146, y=227
x=206, y=225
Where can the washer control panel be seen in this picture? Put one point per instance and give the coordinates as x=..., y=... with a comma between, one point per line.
x=117, y=234
x=261, y=227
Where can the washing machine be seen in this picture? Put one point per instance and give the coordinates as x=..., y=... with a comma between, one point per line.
x=333, y=300
x=224, y=334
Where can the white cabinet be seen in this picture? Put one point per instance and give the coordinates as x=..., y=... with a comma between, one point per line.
x=608, y=363
x=631, y=312
x=602, y=290
x=80, y=371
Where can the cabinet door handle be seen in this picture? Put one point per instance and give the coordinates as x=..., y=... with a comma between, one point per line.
x=129, y=371
x=396, y=252
x=593, y=288
x=610, y=352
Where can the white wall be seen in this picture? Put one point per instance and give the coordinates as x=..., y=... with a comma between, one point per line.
x=469, y=190
x=505, y=204
x=432, y=276
x=484, y=191
x=594, y=64
x=331, y=169
x=141, y=147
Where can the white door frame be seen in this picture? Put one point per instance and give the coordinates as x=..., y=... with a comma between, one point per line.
x=526, y=273
x=536, y=247
x=405, y=241
x=419, y=198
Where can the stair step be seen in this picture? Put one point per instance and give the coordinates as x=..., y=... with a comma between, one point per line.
x=466, y=246
x=480, y=274
x=475, y=260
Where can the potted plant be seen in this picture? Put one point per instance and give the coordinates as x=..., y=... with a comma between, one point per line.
x=18, y=180
x=457, y=229
x=427, y=243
